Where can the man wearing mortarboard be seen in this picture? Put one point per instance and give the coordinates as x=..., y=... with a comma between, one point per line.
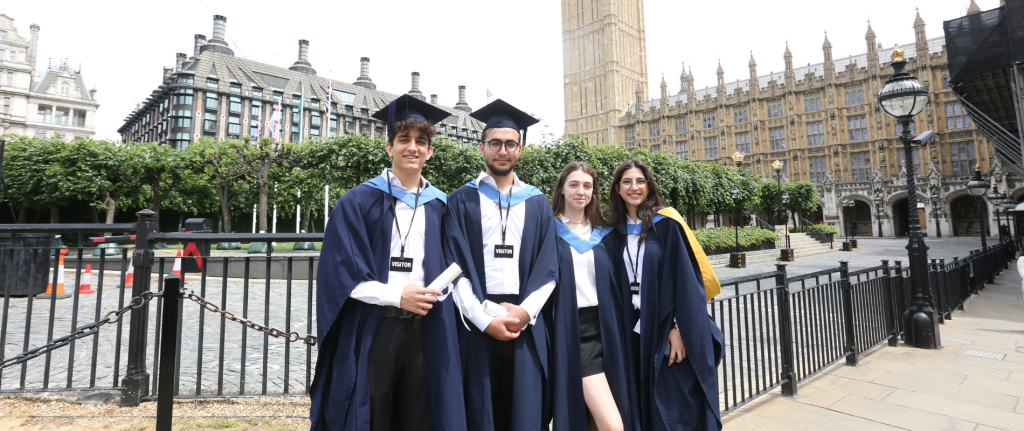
x=502, y=233
x=388, y=356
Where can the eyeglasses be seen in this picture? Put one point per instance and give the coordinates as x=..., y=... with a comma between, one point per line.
x=496, y=144
x=628, y=183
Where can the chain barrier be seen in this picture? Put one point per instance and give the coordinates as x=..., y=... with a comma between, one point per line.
x=82, y=331
x=291, y=337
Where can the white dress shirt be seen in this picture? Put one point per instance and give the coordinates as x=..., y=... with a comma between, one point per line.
x=377, y=293
x=583, y=268
x=631, y=253
x=500, y=275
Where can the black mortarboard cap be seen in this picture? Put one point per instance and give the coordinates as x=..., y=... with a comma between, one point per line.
x=406, y=107
x=499, y=114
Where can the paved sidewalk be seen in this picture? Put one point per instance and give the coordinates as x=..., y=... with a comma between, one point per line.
x=975, y=382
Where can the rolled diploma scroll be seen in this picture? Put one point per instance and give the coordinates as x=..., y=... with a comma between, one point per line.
x=443, y=282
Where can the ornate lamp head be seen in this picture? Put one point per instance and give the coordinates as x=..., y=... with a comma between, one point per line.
x=738, y=157
x=777, y=165
x=897, y=54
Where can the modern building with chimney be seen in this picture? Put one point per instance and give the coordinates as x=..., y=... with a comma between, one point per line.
x=215, y=94
x=58, y=102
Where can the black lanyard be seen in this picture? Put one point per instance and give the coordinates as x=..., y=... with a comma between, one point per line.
x=394, y=212
x=504, y=225
x=636, y=265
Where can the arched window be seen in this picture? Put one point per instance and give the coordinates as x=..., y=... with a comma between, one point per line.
x=65, y=89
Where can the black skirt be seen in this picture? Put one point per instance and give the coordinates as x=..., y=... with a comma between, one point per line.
x=590, y=342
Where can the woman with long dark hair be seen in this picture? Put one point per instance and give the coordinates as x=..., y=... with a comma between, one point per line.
x=669, y=282
x=590, y=375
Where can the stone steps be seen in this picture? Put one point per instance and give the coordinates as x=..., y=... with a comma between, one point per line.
x=802, y=244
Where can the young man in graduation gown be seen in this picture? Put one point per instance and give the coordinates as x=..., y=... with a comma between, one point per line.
x=501, y=232
x=388, y=356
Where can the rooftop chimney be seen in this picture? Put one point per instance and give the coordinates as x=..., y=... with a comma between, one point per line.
x=179, y=60
x=415, y=92
x=433, y=99
x=364, y=75
x=167, y=72
x=462, y=105
x=33, y=48
x=217, y=43
x=200, y=41
x=302, y=64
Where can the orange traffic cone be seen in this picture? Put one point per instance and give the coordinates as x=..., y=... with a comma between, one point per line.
x=50, y=290
x=86, y=287
x=177, y=266
x=129, y=278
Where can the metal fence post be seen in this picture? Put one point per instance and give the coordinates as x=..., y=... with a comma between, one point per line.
x=945, y=311
x=166, y=386
x=786, y=340
x=847, y=303
x=135, y=383
x=891, y=315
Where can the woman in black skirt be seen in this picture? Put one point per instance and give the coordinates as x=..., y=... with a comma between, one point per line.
x=590, y=381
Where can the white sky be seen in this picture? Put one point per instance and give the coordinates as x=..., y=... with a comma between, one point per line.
x=511, y=47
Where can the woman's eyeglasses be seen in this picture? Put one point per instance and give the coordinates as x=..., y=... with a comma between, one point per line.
x=628, y=183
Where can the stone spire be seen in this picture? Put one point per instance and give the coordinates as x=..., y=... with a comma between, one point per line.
x=664, y=93
x=721, y=83
x=973, y=8
x=872, y=49
x=790, y=74
x=639, y=100
x=755, y=86
x=921, y=40
x=830, y=65
x=682, y=79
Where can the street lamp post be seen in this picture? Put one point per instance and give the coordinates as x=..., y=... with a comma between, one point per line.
x=786, y=255
x=935, y=212
x=849, y=204
x=996, y=199
x=737, y=259
x=903, y=97
x=780, y=215
x=1008, y=207
x=878, y=211
x=978, y=187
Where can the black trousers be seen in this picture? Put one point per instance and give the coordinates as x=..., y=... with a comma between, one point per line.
x=397, y=375
x=501, y=357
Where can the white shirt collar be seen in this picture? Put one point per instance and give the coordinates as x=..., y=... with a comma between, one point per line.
x=581, y=229
x=630, y=221
x=517, y=185
x=395, y=182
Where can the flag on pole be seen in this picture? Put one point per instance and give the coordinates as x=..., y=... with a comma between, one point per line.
x=489, y=94
x=298, y=124
x=259, y=123
x=275, y=123
x=327, y=100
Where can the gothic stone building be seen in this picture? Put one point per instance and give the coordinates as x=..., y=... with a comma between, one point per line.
x=215, y=94
x=822, y=120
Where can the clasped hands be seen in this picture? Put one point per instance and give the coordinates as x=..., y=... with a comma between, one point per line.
x=511, y=325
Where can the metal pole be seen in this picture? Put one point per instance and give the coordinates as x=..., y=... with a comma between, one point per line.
x=981, y=217
x=135, y=383
x=921, y=325
x=168, y=353
x=878, y=215
x=778, y=209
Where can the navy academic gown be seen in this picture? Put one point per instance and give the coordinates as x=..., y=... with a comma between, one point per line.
x=683, y=396
x=356, y=248
x=538, y=265
x=570, y=408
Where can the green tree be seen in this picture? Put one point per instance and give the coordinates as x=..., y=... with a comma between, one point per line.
x=223, y=168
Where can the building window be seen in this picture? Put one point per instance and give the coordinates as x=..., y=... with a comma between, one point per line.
x=682, y=149
x=711, y=147
x=777, y=138
x=14, y=56
x=296, y=116
x=364, y=112
x=61, y=117
x=294, y=136
x=210, y=122
x=710, y=121
x=956, y=118
x=630, y=134
x=236, y=87
x=854, y=96
x=182, y=122
x=812, y=103
x=254, y=130
x=379, y=131
x=3, y=54
x=655, y=130
x=254, y=109
x=7, y=105
x=963, y=159
x=314, y=103
x=10, y=79
x=680, y=126
x=858, y=126
x=258, y=92
x=818, y=167
x=815, y=134
x=183, y=96
x=655, y=148
x=913, y=128
x=235, y=104
x=211, y=82
x=917, y=161
x=314, y=119
x=3, y=34
x=212, y=101
x=278, y=96
x=43, y=114
x=334, y=124
x=40, y=134
x=296, y=98
x=775, y=109
x=185, y=79
x=65, y=89
x=743, y=142
x=739, y=115
x=234, y=125
x=350, y=125
x=349, y=110
x=313, y=131
x=861, y=164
